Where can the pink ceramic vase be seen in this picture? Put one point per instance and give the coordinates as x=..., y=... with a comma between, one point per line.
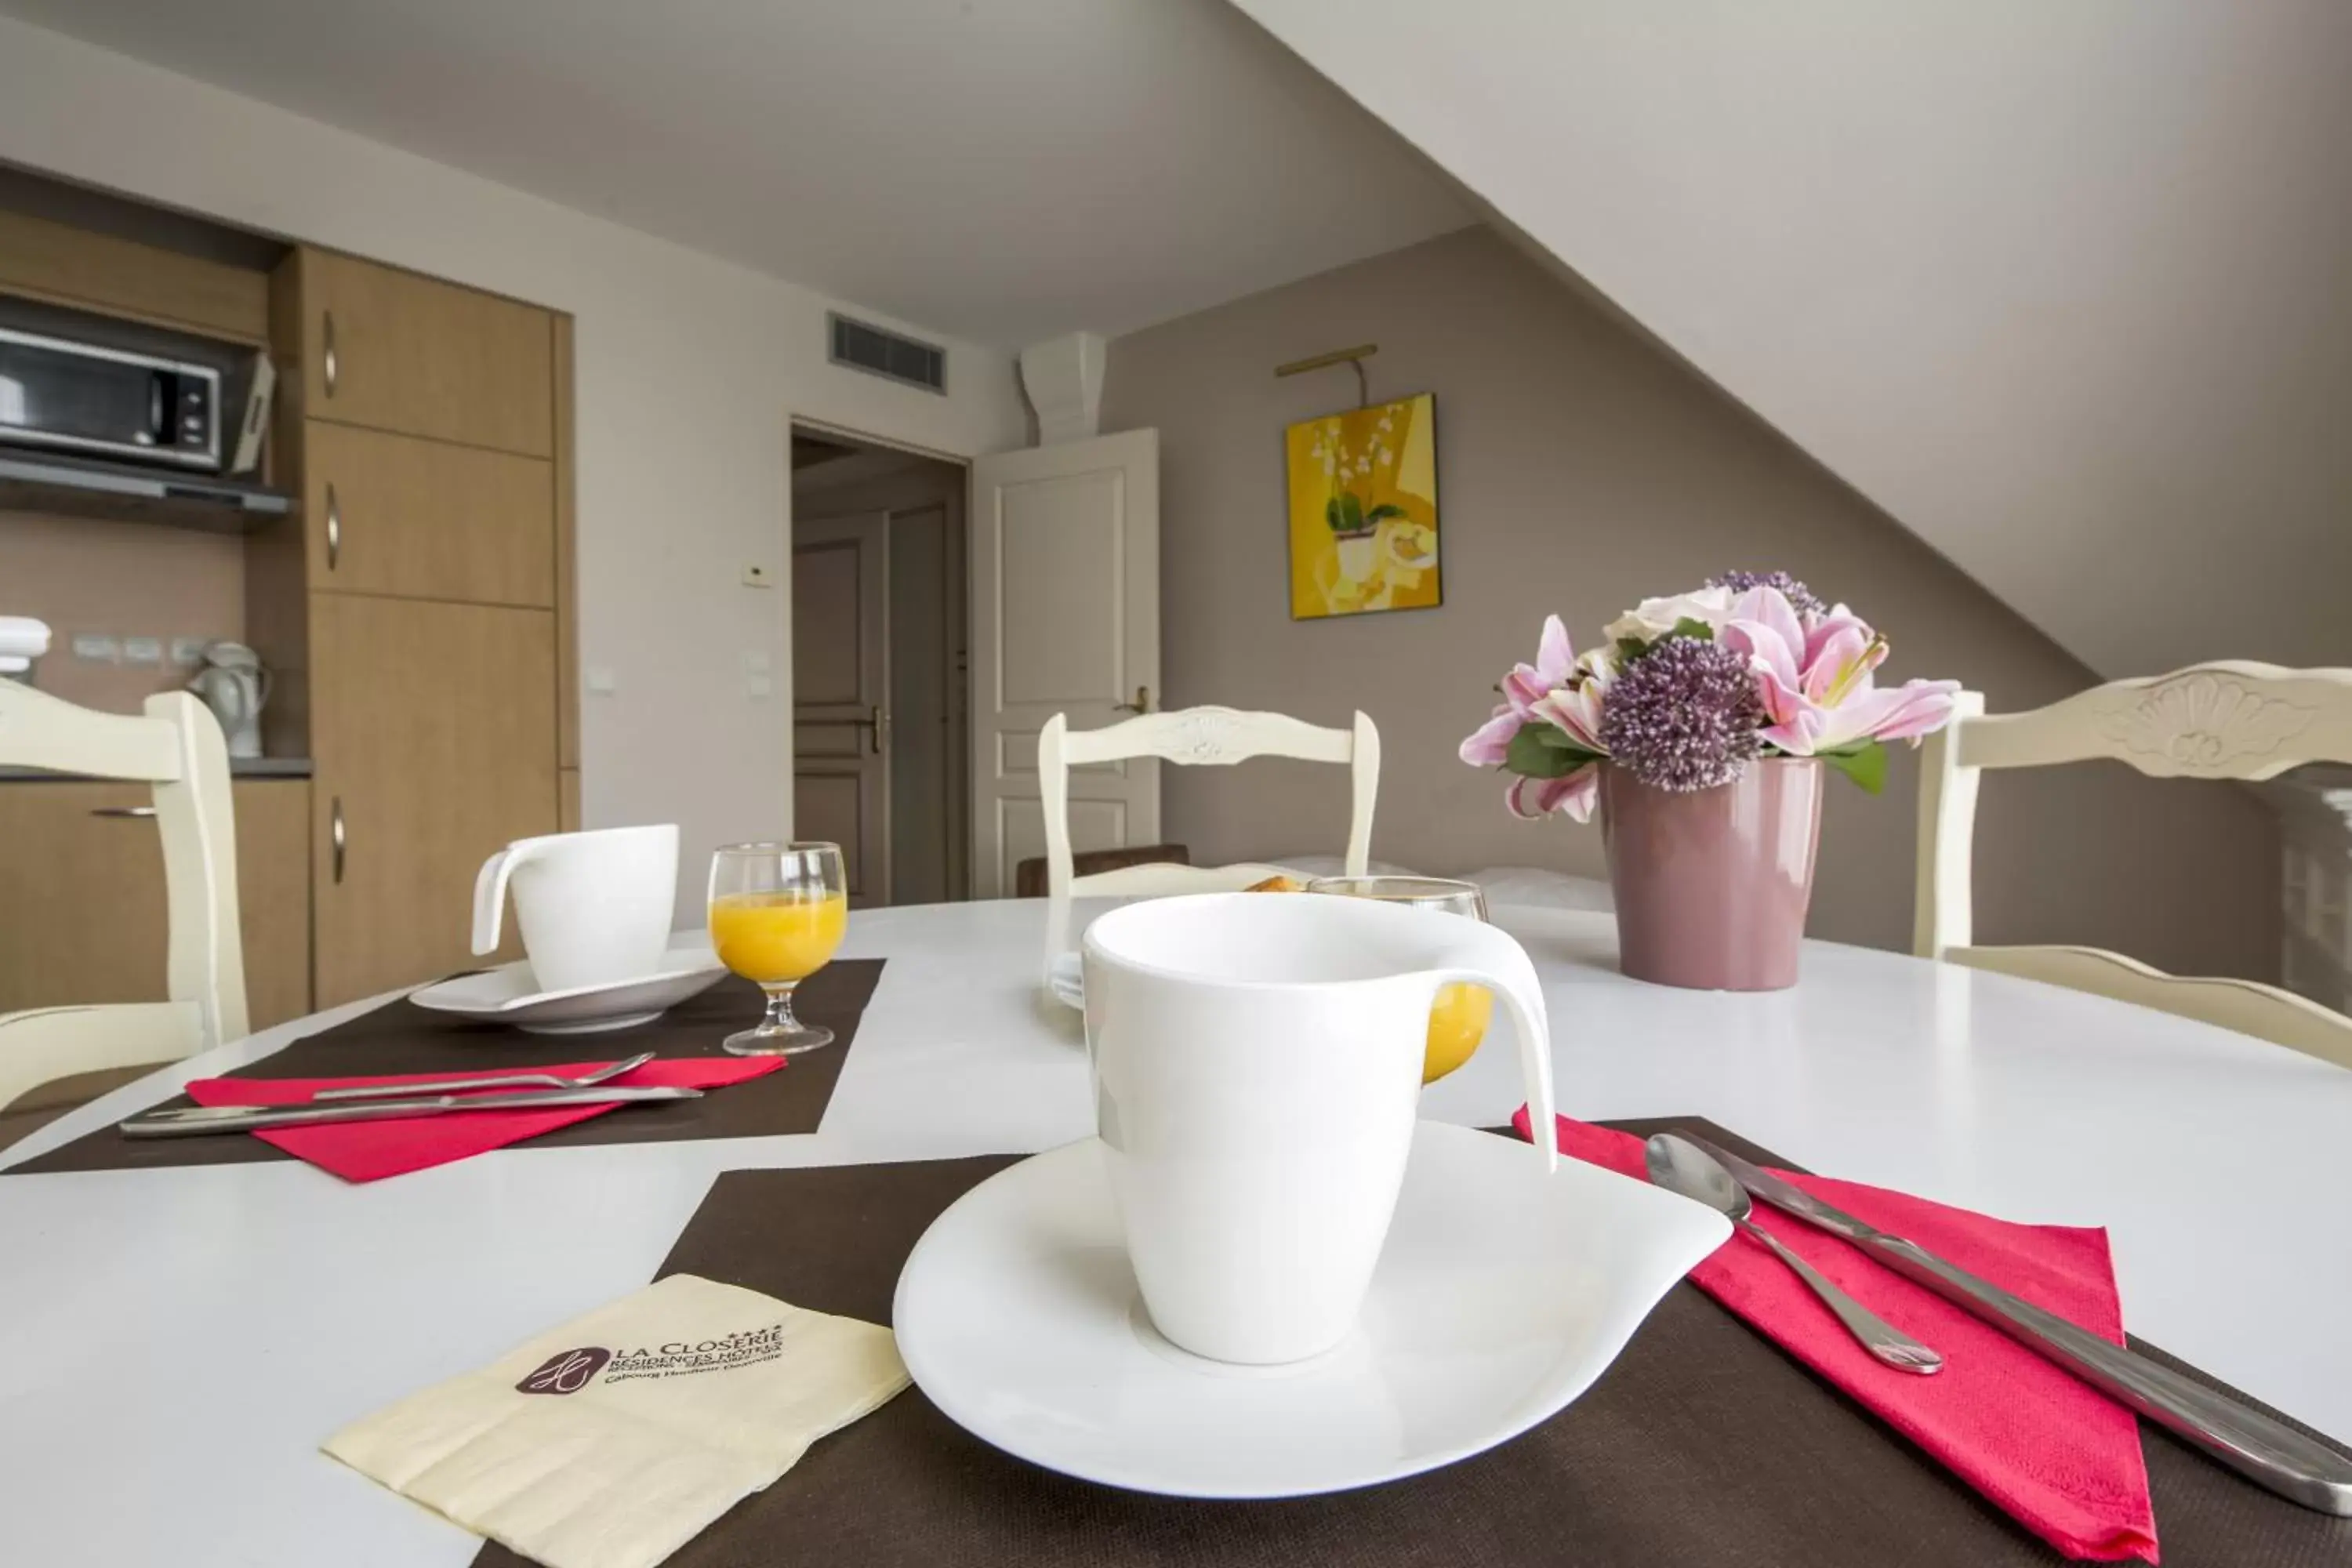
x=1712, y=886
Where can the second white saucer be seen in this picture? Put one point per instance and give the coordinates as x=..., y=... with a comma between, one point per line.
x=509, y=994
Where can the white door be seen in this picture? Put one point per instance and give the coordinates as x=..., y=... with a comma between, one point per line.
x=840, y=694
x=1065, y=619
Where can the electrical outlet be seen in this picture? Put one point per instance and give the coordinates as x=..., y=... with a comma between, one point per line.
x=97, y=647
x=759, y=687
x=142, y=650
x=600, y=681
x=188, y=652
x=757, y=577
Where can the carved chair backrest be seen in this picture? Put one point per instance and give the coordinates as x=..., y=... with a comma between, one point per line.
x=1196, y=737
x=2224, y=720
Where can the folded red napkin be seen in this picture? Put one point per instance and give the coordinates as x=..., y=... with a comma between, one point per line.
x=367, y=1151
x=2060, y=1457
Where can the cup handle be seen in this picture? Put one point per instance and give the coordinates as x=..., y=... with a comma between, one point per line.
x=1506, y=970
x=490, y=894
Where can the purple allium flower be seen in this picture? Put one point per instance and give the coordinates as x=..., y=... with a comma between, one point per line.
x=1801, y=599
x=1684, y=716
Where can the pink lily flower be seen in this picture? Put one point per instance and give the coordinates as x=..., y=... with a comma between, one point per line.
x=1558, y=689
x=1816, y=684
x=1575, y=794
x=1522, y=690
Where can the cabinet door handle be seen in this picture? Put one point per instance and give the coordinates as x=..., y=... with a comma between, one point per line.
x=1142, y=703
x=880, y=725
x=122, y=811
x=330, y=365
x=335, y=837
x=334, y=527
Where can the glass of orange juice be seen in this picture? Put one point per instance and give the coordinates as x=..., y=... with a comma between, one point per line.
x=1458, y=1018
x=778, y=911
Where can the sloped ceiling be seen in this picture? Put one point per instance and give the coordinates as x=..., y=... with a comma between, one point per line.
x=1001, y=171
x=2066, y=289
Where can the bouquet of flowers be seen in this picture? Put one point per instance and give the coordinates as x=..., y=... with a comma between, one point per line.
x=1688, y=691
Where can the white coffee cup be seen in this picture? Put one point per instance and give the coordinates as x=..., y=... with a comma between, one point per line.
x=1257, y=1071
x=594, y=907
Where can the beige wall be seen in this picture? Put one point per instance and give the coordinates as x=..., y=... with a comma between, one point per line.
x=1580, y=469
x=123, y=579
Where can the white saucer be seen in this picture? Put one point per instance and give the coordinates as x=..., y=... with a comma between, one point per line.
x=1066, y=981
x=506, y=995
x=1501, y=1295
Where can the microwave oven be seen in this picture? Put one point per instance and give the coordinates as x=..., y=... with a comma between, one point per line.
x=106, y=402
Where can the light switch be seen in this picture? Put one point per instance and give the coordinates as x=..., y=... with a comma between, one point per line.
x=759, y=687
x=601, y=680
x=757, y=662
x=142, y=650
x=97, y=648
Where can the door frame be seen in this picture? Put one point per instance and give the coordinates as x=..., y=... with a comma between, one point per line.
x=816, y=425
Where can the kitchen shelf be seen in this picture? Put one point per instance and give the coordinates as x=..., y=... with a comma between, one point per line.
x=125, y=492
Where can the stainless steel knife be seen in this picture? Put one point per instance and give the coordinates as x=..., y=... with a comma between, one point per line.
x=2266, y=1451
x=197, y=1119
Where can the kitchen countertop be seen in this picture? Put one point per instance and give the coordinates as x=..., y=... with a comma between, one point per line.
x=239, y=767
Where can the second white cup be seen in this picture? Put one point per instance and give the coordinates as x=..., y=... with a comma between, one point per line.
x=594, y=907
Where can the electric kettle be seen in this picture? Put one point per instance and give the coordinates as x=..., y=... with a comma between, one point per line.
x=235, y=686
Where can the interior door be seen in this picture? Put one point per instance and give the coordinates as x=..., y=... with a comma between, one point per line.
x=435, y=726
x=1065, y=619
x=840, y=694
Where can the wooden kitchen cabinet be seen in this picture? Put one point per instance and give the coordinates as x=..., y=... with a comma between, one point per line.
x=81, y=896
x=392, y=350
x=428, y=519
x=433, y=727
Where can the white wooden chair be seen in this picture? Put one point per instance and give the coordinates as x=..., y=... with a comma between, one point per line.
x=177, y=748
x=1195, y=737
x=2223, y=721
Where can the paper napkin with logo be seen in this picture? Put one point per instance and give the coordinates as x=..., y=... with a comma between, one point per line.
x=609, y=1442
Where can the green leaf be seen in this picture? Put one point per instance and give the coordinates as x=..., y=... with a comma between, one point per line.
x=1331, y=514
x=1383, y=512
x=1542, y=750
x=1690, y=627
x=1630, y=648
x=1866, y=764
x=1353, y=511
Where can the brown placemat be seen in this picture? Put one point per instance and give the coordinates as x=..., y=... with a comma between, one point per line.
x=401, y=1038
x=1704, y=1445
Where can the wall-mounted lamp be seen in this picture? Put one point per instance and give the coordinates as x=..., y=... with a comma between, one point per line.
x=1354, y=357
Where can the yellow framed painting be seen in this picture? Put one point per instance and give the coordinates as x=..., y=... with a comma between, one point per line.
x=1363, y=511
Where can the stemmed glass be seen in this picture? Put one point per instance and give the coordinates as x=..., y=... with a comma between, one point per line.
x=778, y=911
x=1458, y=1019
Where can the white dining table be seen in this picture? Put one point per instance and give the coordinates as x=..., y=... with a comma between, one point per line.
x=175, y=1342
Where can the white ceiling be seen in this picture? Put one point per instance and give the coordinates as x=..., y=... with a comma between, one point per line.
x=997, y=170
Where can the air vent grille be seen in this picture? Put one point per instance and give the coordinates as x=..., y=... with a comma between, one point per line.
x=869, y=348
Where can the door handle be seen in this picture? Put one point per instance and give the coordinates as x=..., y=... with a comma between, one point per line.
x=335, y=837
x=877, y=725
x=334, y=527
x=330, y=364
x=1142, y=703
x=122, y=811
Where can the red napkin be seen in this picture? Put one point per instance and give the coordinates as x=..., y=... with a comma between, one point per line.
x=368, y=1151
x=2060, y=1457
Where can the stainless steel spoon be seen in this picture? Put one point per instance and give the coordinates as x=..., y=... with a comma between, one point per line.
x=505, y=1080
x=1680, y=1166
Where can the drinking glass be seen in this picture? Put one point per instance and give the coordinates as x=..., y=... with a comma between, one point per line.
x=1458, y=1018
x=778, y=911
